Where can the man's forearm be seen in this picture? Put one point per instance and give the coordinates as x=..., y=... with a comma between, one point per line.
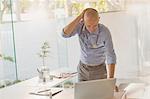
x=111, y=70
x=70, y=27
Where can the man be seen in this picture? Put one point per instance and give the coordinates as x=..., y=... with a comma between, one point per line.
x=96, y=46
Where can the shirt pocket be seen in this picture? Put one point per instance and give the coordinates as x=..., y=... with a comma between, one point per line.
x=100, y=44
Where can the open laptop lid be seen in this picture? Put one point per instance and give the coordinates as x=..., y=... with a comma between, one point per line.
x=95, y=89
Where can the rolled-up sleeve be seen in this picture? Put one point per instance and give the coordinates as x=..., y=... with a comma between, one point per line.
x=76, y=31
x=64, y=35
x=110, y=53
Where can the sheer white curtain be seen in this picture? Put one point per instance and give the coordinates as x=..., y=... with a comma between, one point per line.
x=141, y=11
x=143, y=23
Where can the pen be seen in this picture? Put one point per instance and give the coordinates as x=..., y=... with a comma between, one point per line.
x=39, y=94
x=46, y=94
x=44, y=90
x=56, y=92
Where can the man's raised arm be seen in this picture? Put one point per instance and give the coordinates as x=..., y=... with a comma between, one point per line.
x=72, y=25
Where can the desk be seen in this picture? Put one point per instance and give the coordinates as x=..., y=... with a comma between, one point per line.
x=21, y=90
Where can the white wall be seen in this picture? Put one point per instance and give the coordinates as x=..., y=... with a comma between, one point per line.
x=142, y=14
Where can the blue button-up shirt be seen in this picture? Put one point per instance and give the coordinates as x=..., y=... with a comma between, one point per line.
x=95, y=47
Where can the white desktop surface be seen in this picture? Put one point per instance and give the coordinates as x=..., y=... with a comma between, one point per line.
x=21, y=90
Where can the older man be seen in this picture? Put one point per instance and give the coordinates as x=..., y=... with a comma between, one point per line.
x=96, y=46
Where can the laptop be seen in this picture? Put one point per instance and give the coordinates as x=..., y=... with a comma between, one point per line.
x=95, y=89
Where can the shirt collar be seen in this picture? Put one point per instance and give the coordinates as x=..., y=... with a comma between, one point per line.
x=96, y=32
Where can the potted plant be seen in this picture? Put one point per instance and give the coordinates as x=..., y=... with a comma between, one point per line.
x=44, y=52
x=44, y=70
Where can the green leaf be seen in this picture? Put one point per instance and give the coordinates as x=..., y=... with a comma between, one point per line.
x=8, y=58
